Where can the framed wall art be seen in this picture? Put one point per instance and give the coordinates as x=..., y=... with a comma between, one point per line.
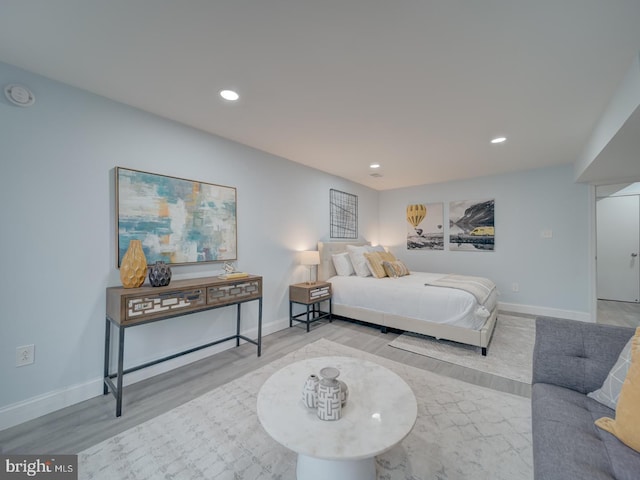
x=471, y=225
x=343, y=209
x=425, y=226
x=178, y=221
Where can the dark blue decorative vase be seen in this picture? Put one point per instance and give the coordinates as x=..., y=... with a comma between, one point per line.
x=159, y=274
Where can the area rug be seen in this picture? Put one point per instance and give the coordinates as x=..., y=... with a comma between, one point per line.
x=463, y=431
x=509, y=355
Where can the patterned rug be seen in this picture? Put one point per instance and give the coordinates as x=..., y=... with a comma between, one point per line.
x=462, y=431
x=509, y=355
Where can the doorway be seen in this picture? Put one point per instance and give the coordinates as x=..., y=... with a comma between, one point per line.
x=618, y=242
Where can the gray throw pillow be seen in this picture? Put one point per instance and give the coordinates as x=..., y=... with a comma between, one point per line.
x=610, y=391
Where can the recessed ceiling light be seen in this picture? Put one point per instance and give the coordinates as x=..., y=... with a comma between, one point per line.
x=374, y=165
x=499, y=140
x=229, y=95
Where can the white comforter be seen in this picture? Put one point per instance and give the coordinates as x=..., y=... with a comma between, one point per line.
x=409, y=297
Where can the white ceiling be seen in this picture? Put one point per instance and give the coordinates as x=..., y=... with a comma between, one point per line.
x=419, y=86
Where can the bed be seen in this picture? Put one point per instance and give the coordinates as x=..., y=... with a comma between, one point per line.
x=410, y=302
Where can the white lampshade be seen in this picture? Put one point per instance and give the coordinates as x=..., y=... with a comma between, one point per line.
x=310, y=257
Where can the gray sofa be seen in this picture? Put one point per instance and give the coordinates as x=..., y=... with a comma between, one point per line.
x=571, y=359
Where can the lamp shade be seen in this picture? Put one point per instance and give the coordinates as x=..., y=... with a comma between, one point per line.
x=310, y=257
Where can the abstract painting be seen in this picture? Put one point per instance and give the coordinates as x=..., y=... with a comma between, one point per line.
x=343, y=209
x=471, y=225
x=425, y=226
x=178, y=221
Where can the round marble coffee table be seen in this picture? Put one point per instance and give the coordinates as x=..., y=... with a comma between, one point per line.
x=380, y=411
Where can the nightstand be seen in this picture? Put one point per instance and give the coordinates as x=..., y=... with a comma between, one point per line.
x=310, y=295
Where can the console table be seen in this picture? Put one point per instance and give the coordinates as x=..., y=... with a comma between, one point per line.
x=128, y=307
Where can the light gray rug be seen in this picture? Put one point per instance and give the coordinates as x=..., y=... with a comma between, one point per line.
x=463, y=431
x=509, y=355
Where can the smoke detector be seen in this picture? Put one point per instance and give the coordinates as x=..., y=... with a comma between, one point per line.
x=19, y=95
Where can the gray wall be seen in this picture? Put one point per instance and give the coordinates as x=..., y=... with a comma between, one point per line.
x=58, y=236
x=552, y=273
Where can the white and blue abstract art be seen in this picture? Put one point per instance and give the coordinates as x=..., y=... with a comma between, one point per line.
x=178, y=221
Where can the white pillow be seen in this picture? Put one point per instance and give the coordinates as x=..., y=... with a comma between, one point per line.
x=609, y=393
x=342, y=262
x=358, y=260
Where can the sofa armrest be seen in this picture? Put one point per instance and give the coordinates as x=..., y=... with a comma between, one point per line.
x=576, y=355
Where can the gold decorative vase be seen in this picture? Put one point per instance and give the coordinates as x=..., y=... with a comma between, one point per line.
x=133, y=269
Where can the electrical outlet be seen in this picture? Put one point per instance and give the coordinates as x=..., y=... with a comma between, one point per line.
x=25, y=355
x=515, y=287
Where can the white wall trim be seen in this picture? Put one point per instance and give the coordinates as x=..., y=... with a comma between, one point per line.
x=593, y=271
x=545, y=311
x=39, y=405
x=34, y=407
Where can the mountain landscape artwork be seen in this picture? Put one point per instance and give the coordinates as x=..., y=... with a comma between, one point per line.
x=471, y=225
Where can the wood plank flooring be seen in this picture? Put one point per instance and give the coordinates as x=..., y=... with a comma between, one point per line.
x=619, y=313
x=80, y=426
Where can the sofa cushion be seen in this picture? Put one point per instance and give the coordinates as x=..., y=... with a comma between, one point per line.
x=626, y=426
x=576, y=355
x=566, y=443
x=610, y=391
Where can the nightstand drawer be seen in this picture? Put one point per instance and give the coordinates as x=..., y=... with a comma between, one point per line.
x=304, y=293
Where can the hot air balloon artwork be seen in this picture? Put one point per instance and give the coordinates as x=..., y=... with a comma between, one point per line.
x=415, y=214
x=424, y=226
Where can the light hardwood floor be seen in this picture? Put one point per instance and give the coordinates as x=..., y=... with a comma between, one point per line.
x=619, y=313
x=80, y=426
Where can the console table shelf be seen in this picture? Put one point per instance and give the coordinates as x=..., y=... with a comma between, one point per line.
x=128, y=307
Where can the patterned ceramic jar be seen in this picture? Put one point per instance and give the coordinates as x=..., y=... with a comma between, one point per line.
x=329, y=396
x=344, y=393
x=310, y=391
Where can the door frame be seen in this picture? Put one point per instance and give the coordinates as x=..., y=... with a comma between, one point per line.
x=592, y=266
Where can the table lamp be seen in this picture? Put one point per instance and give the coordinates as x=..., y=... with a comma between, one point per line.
x=310, y=258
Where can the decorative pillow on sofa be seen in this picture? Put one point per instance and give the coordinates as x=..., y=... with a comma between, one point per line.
x=359, y=262
x=395, y=269
x=342, y=263
x=610, y=391
x=626, y=426
x=375, y=259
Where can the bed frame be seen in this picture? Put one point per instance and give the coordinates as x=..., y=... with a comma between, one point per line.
x=479, y=338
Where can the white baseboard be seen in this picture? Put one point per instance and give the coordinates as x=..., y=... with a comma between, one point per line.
x=34, y=407
x=546, y=311
x=39, y=405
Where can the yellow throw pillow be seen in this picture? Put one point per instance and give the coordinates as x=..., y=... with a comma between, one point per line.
x=626, y=426
x=375, y=259
x=395, y=269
